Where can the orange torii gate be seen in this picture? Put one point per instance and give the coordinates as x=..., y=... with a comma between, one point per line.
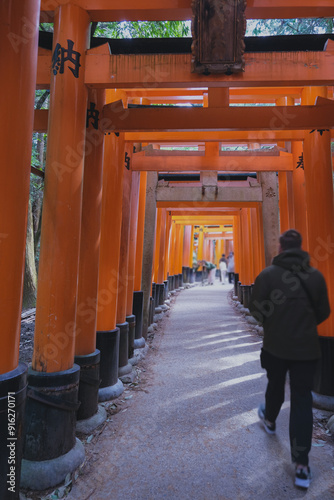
x=73, y=306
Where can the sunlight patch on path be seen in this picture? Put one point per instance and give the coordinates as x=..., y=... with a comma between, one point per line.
x=217, y=387
x=219, y=341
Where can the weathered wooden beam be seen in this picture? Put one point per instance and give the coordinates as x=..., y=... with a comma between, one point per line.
x=169, y=10
x=236, y=205
x=218, y=163
x=233, y=118
x=179, y=212
x=173, y=70
x=207, y=194
x=231, y=136
x=219, y=228
x=236, y=95
x=41, y=125
x=260, y=136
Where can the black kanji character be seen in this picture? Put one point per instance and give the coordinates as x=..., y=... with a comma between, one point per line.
x=321, y=131
x=92, y=114
x=61, y=55
x=127, y=161
x=300, y=163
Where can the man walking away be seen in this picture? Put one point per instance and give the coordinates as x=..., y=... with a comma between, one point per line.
x=290, y=299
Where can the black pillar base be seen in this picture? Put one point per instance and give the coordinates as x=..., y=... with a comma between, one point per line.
x=132, y=332
x=246, y=293
x=239, y=292
x=108, y=344
x=199, y=276
x=13, y=388
x=160, y=294
x=137, y=309
x=170, y=283
x=50, y=416
x=154, y=294
x=176, y=281
x=88, y=384
x=236, y=281
x=185, y=274
x=324, y=379
x=166, y=283
x=151, y=311
x=180, y=280
x=124, y=366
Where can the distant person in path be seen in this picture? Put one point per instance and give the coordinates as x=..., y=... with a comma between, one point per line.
x=223, y=269
x=222, y=259
x=230, y=267
x=211, y=269
x=290, y=299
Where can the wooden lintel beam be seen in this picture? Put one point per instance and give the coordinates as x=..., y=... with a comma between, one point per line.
x=115, y=118
x=172, y=10
x=147, y=71
x=170, y=205
x=227, y=212
x=259, y=136
x=42, y=115
x=237, y=93
x=245, y=136
x=218, y=163
x=203, y=222
x=209, y=194
x=209, y=231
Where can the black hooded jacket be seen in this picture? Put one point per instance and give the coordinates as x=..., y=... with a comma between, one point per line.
x=290, y=298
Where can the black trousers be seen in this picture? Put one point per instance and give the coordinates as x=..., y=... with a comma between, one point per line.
x=301, y=384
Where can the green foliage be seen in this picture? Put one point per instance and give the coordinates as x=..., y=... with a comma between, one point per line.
x=272, y=27
x=42, y=99
x=143, y=29
x=177, y=29
x=46, y=27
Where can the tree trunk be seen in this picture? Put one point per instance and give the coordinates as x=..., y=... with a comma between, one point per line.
x=38, y=200
x=30, y=276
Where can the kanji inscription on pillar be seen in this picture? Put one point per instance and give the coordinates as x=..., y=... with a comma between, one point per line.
x=127, y=161
x=93, y=116
x=61, y=55
x=270, y=193
x=218, y=30
x=300, y=163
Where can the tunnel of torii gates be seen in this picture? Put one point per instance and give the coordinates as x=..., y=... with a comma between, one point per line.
x=121, y=212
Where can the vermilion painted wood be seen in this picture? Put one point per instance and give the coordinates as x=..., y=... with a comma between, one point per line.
x=140, y=230
x=61, y=223
x=19, y=61
x=320, y=205
x=85, y=341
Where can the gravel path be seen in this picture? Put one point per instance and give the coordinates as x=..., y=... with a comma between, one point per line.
x=192, y=431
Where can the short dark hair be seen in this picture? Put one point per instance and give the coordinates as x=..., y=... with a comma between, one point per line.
x=290, y=239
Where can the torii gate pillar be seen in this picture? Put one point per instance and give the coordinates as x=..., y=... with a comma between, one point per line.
x=268, y=181
x=53, y=369
x=18, y=59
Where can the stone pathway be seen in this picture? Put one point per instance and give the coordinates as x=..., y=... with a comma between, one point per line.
x=192, y=432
